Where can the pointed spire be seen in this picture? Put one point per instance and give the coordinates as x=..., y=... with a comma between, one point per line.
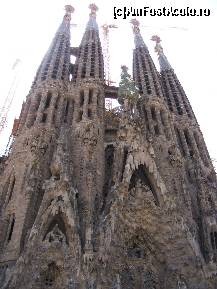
x=173, y=91
x=164, y=63
x=92, y=24
x=145, y=73
x=55, y=64
x=138, y=40
x=89, y=63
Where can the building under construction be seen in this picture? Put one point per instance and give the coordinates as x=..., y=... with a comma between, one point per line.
x=98, y=199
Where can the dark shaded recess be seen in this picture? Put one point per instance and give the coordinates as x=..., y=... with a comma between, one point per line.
x=149, y=280
x=135, y=251
x=51, y=275
x=48, y=100
x=124, y=163
x=32, y=210
x=66, y=110
x=140, y=175
x=109, y=159
x=198, y=218
x=11, y=229
x=58, y=219
x=127, y=279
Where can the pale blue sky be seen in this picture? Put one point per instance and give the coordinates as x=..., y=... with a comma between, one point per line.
x=27, y=28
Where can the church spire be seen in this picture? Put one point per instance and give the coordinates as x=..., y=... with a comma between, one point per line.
x=89, y=63
x=55, y=65
x=163, y=61
x=174, y=93
x=145, y=73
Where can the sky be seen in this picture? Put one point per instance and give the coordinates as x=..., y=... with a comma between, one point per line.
x=27, y=28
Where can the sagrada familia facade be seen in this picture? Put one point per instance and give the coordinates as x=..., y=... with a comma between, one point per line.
x=97, y=199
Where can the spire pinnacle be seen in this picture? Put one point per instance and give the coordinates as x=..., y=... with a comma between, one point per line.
x=93, y=9
x=92, y=21
x=164, y=63
x=138, y=40
x=69, y=10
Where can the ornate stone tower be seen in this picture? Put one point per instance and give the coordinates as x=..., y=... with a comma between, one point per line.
x=101, y=199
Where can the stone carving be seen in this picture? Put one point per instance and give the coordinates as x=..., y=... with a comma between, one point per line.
x=56, y=236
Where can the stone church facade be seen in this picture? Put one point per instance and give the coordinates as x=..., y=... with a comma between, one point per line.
x=96, y=199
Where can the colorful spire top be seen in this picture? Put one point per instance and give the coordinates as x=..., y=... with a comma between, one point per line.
x=93, y=9
x=164, y=63
x=69, y=10
x=92, y=21
x=138, y=40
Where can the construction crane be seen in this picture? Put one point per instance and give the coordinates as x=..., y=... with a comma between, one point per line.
x=10, y=96
x=106, y=53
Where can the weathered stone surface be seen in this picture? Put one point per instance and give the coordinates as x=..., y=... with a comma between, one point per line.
x=118, y=199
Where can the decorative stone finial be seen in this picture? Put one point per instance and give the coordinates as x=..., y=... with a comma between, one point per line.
x=158, y=47
x=69, y=9
x=93, y=9
x=136, y=24
x=164, y=63
x=124, y=68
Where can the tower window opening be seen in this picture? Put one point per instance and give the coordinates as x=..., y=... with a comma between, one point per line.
x=213, y=239
x=81, y=98
x=44, y=118
x=156, y=129
x=11, y=229
x=66, y=110
x=153, y=113
x=48, y=99
x=80, y=115
x=89, y=113
x=90, y=99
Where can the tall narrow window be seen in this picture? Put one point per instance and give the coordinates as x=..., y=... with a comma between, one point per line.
x=11, y=228
x=90, y=99
x=213, y=239
x=66, y=110
x=81, y=97
x=48, y=99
